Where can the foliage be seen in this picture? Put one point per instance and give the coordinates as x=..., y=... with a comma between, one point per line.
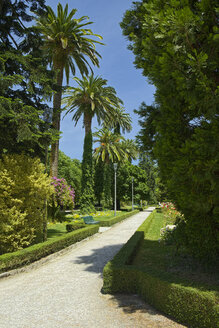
x=163, y=292
x=24, y=189
x=141, y=184
x=113, y=148
x=64, y=195
x=24, y=81
x=98, y=181
x=118, y=218
x=110, y=149
x=87, y=182
x=33, y=253
x=91, y=97
x=74, y=226
x=68, y=44
x=70, y=170
x=175, y=43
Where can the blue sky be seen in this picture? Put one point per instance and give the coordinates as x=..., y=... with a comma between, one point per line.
x=116, y=66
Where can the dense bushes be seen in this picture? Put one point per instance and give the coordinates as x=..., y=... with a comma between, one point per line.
x=24, y=189
x=33, y=253
x=193, y=306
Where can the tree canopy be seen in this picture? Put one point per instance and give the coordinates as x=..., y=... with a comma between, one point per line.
x=175, y=44
x=24, y=81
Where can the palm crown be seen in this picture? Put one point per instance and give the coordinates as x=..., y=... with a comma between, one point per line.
x=91, y=97
x=67, y=40
x=110, y=149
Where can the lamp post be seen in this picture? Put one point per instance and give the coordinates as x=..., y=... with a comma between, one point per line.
x=132, y=194
x=115, y=168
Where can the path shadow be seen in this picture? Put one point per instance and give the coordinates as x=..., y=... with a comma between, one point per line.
x=132, y=303
x=97, y=258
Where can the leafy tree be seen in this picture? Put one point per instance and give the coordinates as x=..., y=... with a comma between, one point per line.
x=92, y=97
x=127, y=172
x=24, y=81
x=70, y=170
x=69, y=44
x=175, y=43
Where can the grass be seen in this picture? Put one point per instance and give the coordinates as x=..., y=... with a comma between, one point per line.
x=106, y=215
x=160, y=259
x=56, y=230
x=174, y=284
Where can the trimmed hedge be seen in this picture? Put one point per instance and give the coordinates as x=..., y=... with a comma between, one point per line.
x=116, y=219
x=74, y=226
x=33, y=253
x=188, y=305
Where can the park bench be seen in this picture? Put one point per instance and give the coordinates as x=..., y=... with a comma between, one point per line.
x=89, y=220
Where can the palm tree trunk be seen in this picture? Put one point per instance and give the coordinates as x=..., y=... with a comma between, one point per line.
x=87, y=123
x=54, y=155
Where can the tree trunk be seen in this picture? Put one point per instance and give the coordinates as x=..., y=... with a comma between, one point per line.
x=87, y=123
x=54, y=155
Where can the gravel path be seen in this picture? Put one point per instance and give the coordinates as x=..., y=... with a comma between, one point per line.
x=65, y=292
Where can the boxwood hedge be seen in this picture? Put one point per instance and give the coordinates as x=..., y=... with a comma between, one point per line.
x=116, y=219
x=33, y=253
x=188, y=305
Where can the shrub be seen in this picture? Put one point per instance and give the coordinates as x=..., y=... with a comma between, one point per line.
x=74, y=226
x=117, y=219
x=33, y=253
x=193, y=306
x=63, y=198
x=24, y=189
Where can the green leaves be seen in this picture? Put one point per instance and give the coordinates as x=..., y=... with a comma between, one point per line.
x=174, y=44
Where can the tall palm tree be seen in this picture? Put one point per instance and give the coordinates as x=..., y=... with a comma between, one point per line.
x=68, y=44
x=121, y=120
x=92, y=97
x=131, y=149
x=110, y=150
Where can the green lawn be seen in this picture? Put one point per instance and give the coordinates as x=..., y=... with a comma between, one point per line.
x=161, y=260
x=104, y=216
x=56, y=230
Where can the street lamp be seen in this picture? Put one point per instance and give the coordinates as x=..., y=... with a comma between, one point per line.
x=132, y=194
x=115, y=168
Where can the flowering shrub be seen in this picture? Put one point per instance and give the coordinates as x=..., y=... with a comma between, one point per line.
x=172, y=232
x=64, y=195
x=62, y=199
x=170, y=213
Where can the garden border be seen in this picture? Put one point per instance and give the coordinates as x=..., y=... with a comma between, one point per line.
x=187, y=305
x=15, y=260
x=116, y=219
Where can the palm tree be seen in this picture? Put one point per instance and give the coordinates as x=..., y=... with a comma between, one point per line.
x=68, y=45
x=92, y=97
x=130, y=147
x=110, y=150
x=121, y=120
